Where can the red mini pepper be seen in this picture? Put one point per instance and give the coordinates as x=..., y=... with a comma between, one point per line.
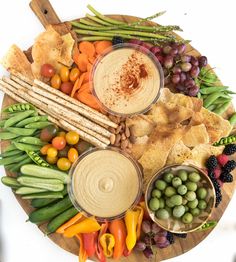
x=89, y=241
x=98, y=247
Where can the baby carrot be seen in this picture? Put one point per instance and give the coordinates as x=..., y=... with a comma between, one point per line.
x=77, y=85
x=87, y=48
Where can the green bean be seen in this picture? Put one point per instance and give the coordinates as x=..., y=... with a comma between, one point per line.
x=224, y=95
x=12, y=159
x=2, y=122
x=209, y=90
x=21, y=131
x=221, y=100
x=7, y=135
x=230, y=92
x=232, y=119
x=26, y=147
x=16, y=167
x=211, y=99
x=211, y=107
x=37, y=159
x=222, y=108
x=31, y=140
x=31, y=120
x=19, y=107
x=15, y=119
x=38, y=125
x=10, y=148
x=10, y=153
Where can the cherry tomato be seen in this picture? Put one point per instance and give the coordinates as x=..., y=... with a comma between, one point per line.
x=72, y=138
x=48, y=133
x=47, y=70
x=52, y=152
x=64, y=151
x=62, y=133
x=73, y=155
x=63, y=163
x=56, y=81
x=74, y=74
x=51, y=160
x=64, y=74
x=66, y=87
x=59, y=142
x=45, y=148
x=83, y=146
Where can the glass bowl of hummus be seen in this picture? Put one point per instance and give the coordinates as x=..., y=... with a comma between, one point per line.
x=127, y=79
x=180, y=198
x=105, y=183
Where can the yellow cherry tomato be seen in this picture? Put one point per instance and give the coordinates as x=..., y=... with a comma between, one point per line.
x=62, y=133
x=74, y=74
x=51, y=160
x=63, y=164
x=72, y=138
x=73, y=155
x=56, y=81
x=44, y=149
x=64, y=74
x=52, y=152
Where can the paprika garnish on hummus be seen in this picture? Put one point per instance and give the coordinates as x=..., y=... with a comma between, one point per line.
x=127, y=80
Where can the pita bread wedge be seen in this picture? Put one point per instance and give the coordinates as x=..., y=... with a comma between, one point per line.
x=16, y=61
x=160, y=143
x=196, y=135
x=179, y=153
x=66, y=51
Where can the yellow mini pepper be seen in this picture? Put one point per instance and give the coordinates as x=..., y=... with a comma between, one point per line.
x=107, y=242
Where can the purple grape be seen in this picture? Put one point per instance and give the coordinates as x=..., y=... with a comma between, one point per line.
x=140, y=246
x=180, y=87
x=168, y=62
x=166, y=72
x=166, y=80
x=160, y=58
x=181, y=48
x=188, y=76
x=194, y=61
x=146, y=226
x=147, y=240
x=175, y=79
x=159, y=239
x=147, y=45
x=182, y=77
x=174, y=52
x=202, y=60
x=193, y=91
x=162, y=233
x=148, y=253
x=177, y=58
x=156, y=49
x=194, y=72
x=167, y=49
x=135, y=42
x=176, y=69
x=189, y=83
x=163, y=245
x=185, y=58
x=186, y=67
x=155, y=228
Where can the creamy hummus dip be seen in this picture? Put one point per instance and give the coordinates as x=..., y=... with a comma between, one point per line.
x=105, y=183
x=126, y=81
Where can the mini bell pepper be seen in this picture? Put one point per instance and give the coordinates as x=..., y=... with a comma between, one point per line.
x=140, y=219
x=145, y=212
x=132, y=220
x=88, y=225
x=69, y=223
x=89, y=242
x=82, y=253
x=118, y=230
x=98, y=247
x=107, y=241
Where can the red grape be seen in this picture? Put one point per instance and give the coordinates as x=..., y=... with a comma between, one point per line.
x=140, y=246
x=193, y=91
x=202, y=60
x=175, y=79
x=186, y=66
x=195, y=70
x=159, y=239
x=147, y=240
x=194, y=61
x=168, y=62
x=155, y=228
x=180, y=87
x=185, y=58
x=162, y=233
x=156, y=49
x=146, y=226
x=182, y=77
x=160, y=58
x=166, y=80
x=174, y=51
x=148, y=253
x=135, y=42
x=189, y=83
x=176, y=69
x=47, y=70
x=163, y=245
x=181, y=48
x=167, y=49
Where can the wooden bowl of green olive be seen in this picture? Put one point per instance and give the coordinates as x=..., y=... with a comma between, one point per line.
x=180, y=198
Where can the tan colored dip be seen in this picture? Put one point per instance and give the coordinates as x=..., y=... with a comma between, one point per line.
x=105, y=183
x=126, y=81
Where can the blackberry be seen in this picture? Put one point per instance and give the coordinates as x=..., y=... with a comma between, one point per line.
x=170, y=237
x=226, y=177
x=180, y=235
x=218, y=199
x=230, y=149
x=211, y=162
x=211, y=175
x=117, y=40
x=229, y=166
x=216, y=185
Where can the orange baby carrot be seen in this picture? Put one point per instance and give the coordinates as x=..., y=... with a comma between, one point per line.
x=101, y=46
x=77, y=85
x=82, y=61
x=87, y=48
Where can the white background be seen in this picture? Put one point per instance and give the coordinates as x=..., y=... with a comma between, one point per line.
x=211, y=27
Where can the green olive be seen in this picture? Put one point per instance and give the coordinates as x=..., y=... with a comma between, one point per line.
x=170, y=191
x=176, y=181
x=187, y=218
x=154, y=204
x=160, y=184
x=162, y=214
x=201, y=193
x=183, y=175
x=168, y=177
x=194, y=177
x=156, y=193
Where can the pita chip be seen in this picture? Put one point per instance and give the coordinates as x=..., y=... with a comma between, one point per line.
x=196, y=135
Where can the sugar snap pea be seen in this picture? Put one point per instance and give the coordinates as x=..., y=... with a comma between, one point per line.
x=222, y=108
x=10, y=181
x=11, y=153
x=21, y=131
x=30, y=140
x=29, y=190
x=16, y=167
x=225, y=140
x=31, y=120
x=38, y=125
x=51, y=195
x=15, y=119
x=12, y=159
x=2, y=122
x=211, y=107
x=232, y=119
x=7, y=135
x=208, y=225
x=26, y=147
x=221, y=100
x=37, y=159
x=211, y=99
x=19, y=107
x=212, y=89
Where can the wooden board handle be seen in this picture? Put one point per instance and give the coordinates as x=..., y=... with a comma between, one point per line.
x=45, y=12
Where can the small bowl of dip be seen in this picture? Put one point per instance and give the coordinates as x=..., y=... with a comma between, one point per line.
x=127, y=79
x=105, y=183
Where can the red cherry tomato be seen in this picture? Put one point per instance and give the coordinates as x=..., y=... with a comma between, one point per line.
x=66, y=87
x=59, y=142
x=47, y=70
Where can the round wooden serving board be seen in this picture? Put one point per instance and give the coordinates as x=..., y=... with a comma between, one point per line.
x=45, y=13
